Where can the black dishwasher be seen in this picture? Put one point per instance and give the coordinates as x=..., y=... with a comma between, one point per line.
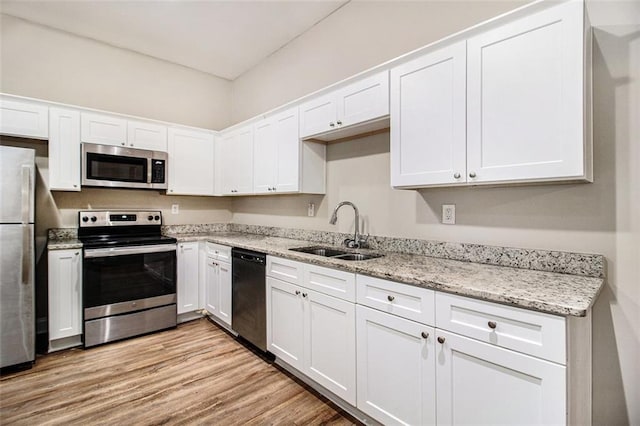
x=248, y=306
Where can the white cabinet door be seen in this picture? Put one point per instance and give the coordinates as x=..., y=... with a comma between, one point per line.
x=478, y=383
x=428, y=119
x=212, y=287
x=225, y=298
x=396, y=369
x=318, y=115
x=144, y=135
x=265, y=152
x=330, y=343
x=103, y=129
x=191, y=162
x=187, y=259
x=285, y=322
x=64, y=149
x=24, y=119
x=364, y=100
x=237, y=162
x=287, y=141
x=65, y=293
x=525, y=105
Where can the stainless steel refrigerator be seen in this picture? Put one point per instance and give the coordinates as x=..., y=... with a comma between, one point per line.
x=17, y=265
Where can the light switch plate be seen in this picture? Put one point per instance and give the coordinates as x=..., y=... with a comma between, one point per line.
x=175, y=208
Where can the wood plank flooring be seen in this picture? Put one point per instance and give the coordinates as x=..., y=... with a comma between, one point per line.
x=195, y=374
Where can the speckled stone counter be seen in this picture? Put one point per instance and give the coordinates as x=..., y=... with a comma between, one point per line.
x=63, y=239
x=548, y=281
x=550, y=292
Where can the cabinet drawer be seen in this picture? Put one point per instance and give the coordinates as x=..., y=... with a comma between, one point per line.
x=403, y=300
x=219, y=252
x=285, y=270
x=335, y=283
x=534, y=333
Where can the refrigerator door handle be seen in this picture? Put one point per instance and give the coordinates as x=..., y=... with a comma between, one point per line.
x=26, y=193
x=26, y=250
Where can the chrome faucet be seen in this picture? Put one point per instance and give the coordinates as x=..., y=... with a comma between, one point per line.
x=357, y=241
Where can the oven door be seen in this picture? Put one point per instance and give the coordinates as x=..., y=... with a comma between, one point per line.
x=125, y=279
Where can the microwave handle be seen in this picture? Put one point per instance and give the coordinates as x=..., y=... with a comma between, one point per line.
x=149, y=170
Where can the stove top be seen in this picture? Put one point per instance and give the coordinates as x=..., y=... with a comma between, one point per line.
x=120, y=241
x=116, y=228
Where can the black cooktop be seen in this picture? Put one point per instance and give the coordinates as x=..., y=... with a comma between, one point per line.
x=110, y=241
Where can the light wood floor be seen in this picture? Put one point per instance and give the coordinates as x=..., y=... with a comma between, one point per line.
x=195, y=374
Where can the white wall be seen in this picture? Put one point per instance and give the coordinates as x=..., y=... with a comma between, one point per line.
x=602, y=217
x=44, y=63
x=41, y=62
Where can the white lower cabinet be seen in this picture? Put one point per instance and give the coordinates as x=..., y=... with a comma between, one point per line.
x=285, y=327
x=65, y=295
x=479, y=383
x=217, y=289
x=188, y=291
x=396, y=368
x=315, y=334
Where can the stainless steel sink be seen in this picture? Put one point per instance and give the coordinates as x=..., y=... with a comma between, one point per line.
x=320, y=251
x=357, y=256
x=336, y=253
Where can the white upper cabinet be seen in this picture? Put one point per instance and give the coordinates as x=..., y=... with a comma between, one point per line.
x=526, y=101
x=236, y=161
x=191, y=162
x=24, y=118
x=428, y=119
x=64, y=149
x=514, y=106
x=143, y=135
x=282, y=163
x=357, y=104
x=103, y=129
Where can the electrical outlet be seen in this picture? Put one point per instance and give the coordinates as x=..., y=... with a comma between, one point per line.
x=175, y=208
x=449, y=214
x=311, y=210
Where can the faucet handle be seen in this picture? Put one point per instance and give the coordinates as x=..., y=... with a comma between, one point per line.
x=350, y=242
x=363, y=243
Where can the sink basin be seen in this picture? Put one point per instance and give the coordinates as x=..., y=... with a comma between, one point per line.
x=357, y=256
x=320, y=251
x=336, y=253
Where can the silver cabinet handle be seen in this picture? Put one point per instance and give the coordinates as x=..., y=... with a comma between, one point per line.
x=441, y=340
x=297, y=292
x=122, y=143
x=390, y=298
x=424, y=335
x=492, y=325
x=304, y=294
x=456, y=175
x=339, y=123
x=331, y=124
x=472, y=175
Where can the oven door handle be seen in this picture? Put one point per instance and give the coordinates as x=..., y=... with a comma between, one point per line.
x=123, y=251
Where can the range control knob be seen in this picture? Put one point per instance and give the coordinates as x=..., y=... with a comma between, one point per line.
x=85, y=219
x=157, y=217
x=150, y=217
x=93, y=218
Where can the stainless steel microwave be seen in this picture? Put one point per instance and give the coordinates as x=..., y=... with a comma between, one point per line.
x=118, y=167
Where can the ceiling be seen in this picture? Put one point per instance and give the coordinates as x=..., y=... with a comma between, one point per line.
x=225, y=38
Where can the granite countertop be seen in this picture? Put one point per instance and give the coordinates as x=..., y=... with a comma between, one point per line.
x=64, y=243
x=562, y=294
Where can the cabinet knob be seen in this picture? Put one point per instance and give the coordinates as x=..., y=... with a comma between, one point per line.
x=273, y=189
x=456, y=175
x=122, y=143
x=390, y=298
x=441, y=340
x=304, y=294
x=492, y=325
x=297, y=292
x=75, y=186
x=472, y=175
x=331, y=124
x=424, y=335
x=339, y=123
x=77, y=253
